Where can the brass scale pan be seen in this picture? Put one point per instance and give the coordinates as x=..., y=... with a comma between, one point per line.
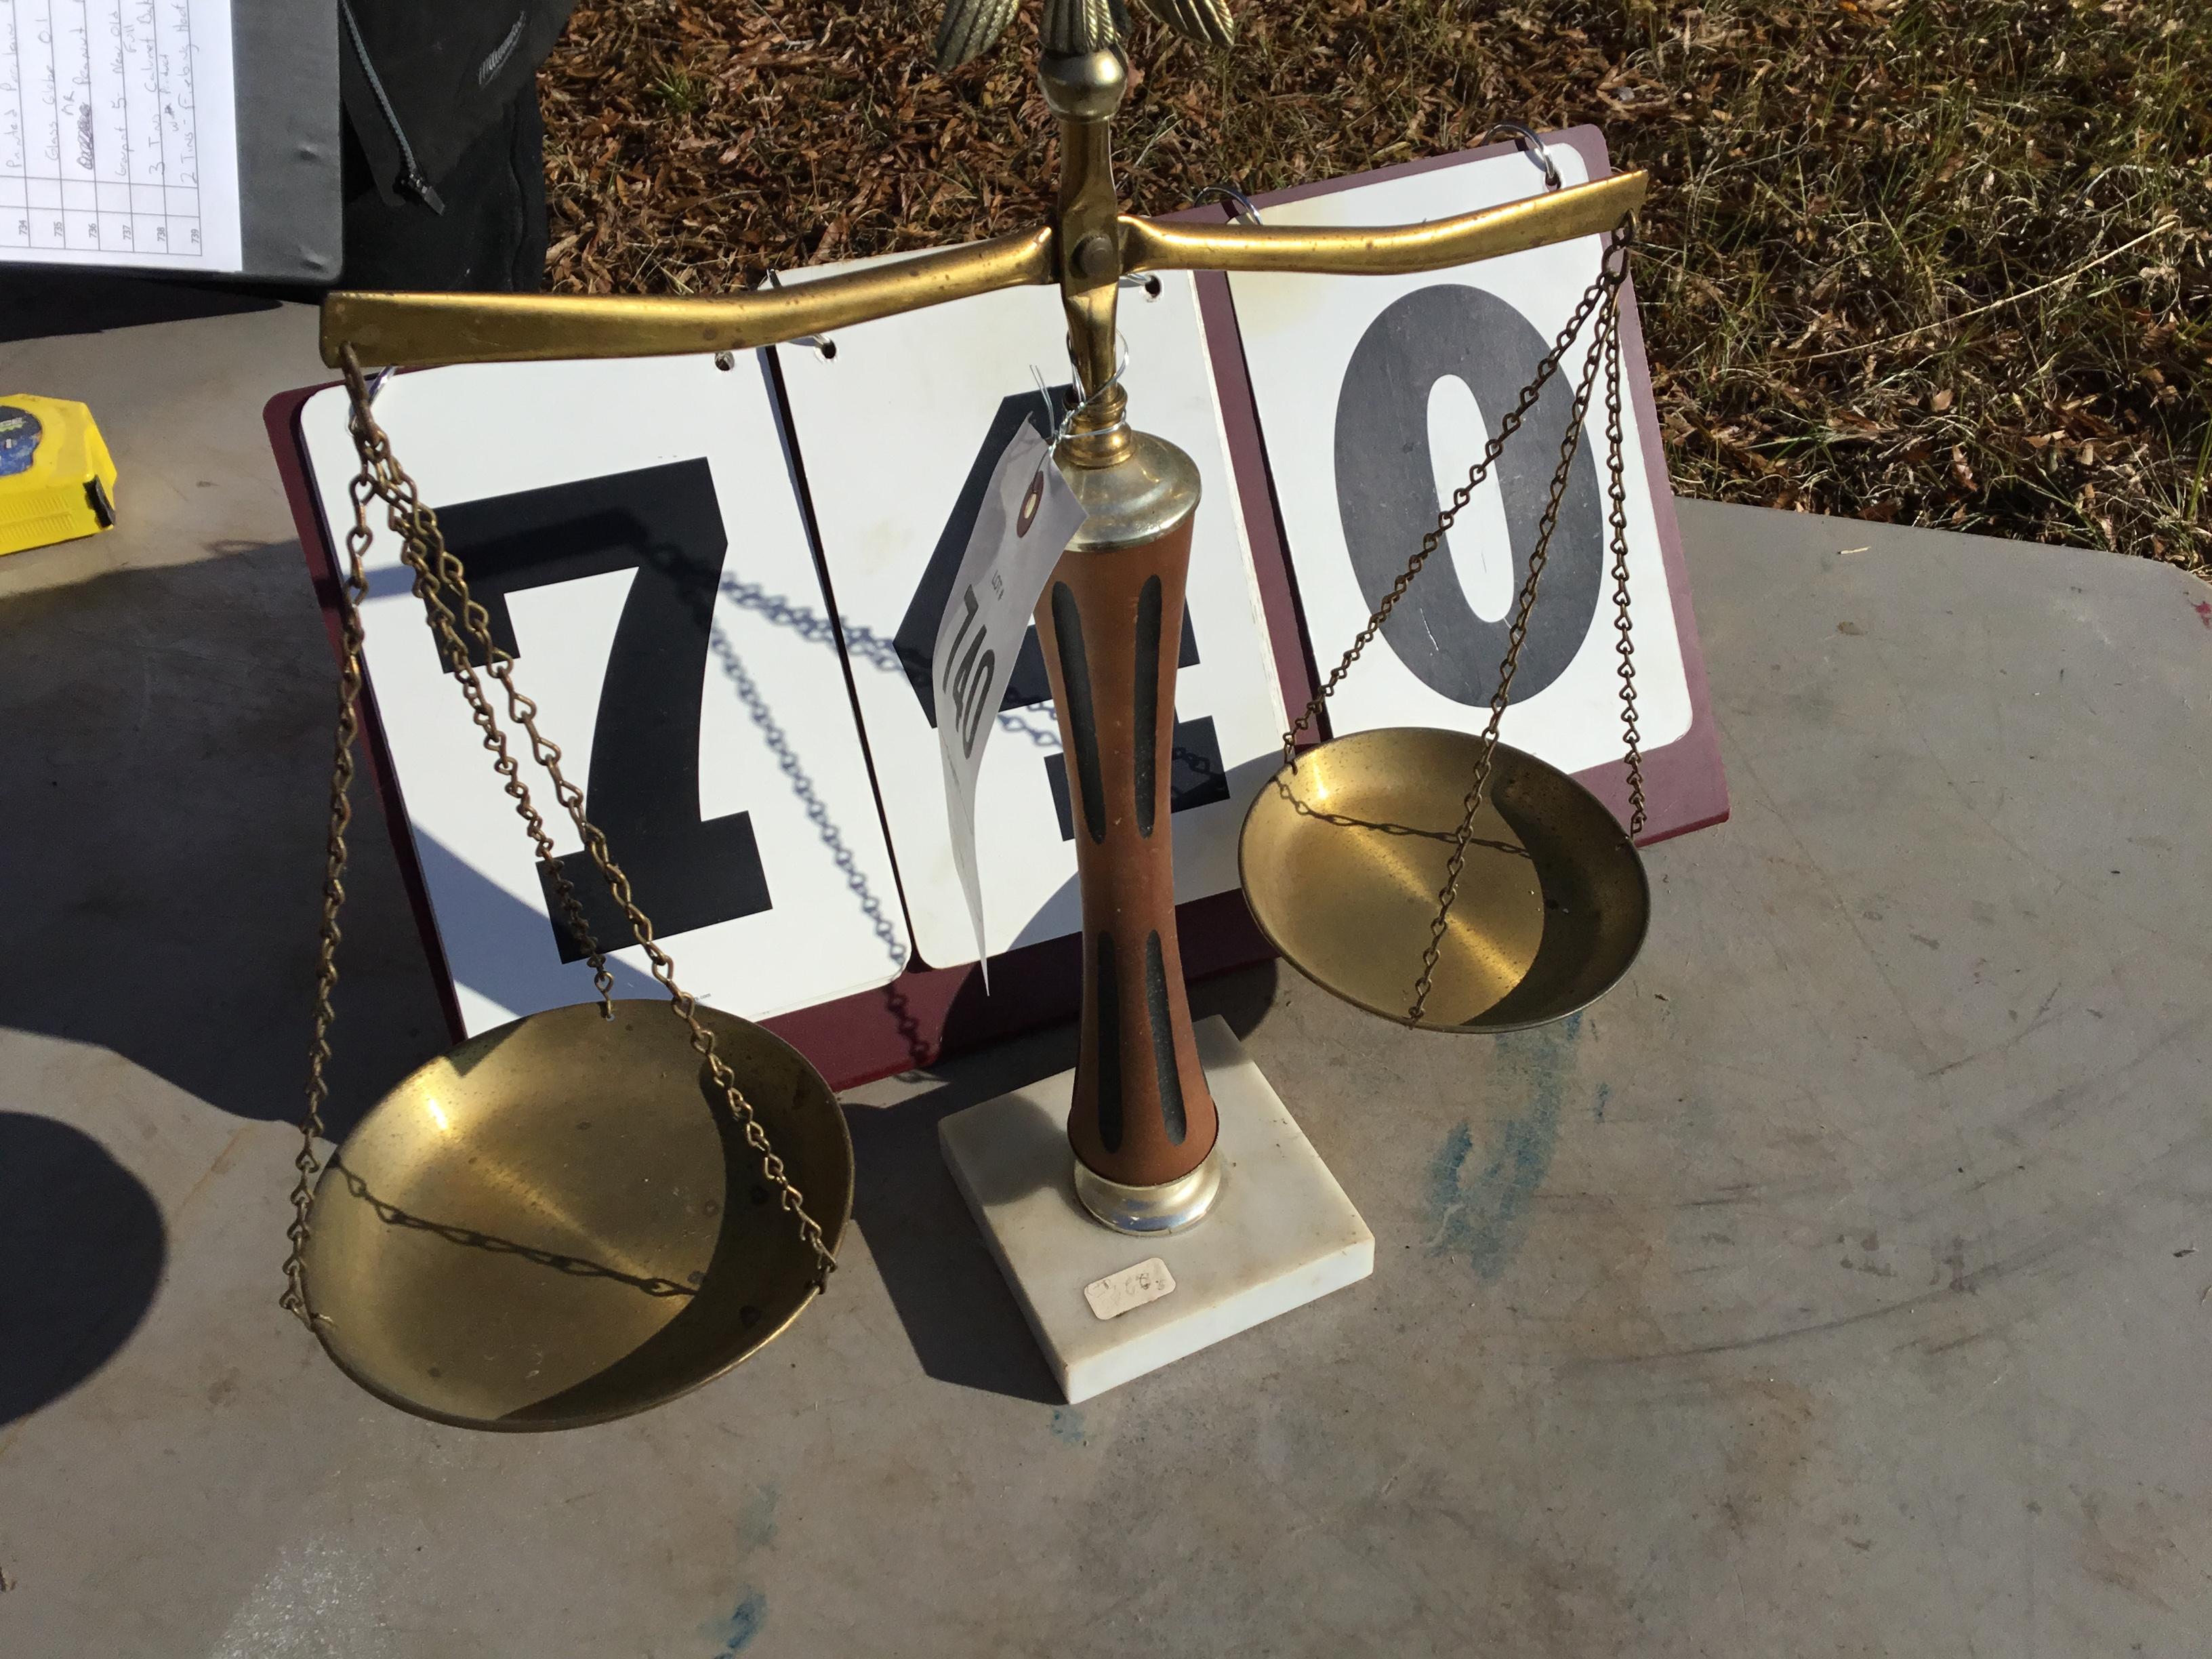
x=1343, y=855
x=559, y=1222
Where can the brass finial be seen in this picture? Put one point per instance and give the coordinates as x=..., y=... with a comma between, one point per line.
x=1075, y=27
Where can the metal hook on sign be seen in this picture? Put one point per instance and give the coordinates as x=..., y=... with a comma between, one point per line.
x=821, y=342
x=1530, y=145
x=376, y=381
x=1240, y=205
x=1149, y=281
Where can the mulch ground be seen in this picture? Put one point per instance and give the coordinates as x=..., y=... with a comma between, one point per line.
x=1942, y=262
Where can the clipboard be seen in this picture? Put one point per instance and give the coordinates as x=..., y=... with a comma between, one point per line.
x=145, y=148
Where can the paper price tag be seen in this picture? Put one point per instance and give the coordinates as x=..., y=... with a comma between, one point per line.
x=1133, y=1287
x=1028, y=516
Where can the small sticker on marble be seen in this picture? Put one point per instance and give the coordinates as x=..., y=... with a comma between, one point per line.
x=1117, y=1294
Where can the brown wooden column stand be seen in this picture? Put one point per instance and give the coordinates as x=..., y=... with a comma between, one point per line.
x=1143, y=1124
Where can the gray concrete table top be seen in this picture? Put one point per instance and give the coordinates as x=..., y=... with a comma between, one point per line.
x=1840, y=1285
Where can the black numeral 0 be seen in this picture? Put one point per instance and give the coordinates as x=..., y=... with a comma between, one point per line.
x=1386, y=488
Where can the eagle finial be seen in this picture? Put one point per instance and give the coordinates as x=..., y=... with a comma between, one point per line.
x=1073, y=28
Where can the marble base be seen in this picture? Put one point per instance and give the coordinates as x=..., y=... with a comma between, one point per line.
x=1281, y=1233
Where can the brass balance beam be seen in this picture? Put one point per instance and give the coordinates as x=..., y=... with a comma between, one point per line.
x=422, y=329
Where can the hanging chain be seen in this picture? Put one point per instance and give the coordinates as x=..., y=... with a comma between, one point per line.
x=384, y=478
x=353, y=587
x=1606, y=289
x=1617, y=492
x=440, y=582
x=1596, y=294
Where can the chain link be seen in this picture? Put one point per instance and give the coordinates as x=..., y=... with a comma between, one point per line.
x=1516, y=635
x=1545, y=368
x=353, y=587
x=1604, y=353
x=1617, y=492
x=416, y=527
x=575, y=1266
x=441, y=584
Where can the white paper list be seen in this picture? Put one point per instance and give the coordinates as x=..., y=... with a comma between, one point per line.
x=118, y=141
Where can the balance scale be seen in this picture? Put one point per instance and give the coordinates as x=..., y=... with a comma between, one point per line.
x=1156, y=1198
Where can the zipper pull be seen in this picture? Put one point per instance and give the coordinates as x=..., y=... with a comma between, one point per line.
x=410, y=173
x=419, y=187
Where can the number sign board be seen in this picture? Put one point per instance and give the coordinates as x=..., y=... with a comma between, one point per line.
x=632, y=529
x=1376, y=395
x=723, y=584
x=898, y=433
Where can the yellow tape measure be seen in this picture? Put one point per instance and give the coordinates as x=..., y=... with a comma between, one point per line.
x=56, y=480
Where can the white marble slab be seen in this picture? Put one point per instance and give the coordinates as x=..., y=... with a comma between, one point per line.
x=1281, y=1234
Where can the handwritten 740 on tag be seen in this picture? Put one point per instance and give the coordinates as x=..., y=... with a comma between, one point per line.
x=1133, y=1287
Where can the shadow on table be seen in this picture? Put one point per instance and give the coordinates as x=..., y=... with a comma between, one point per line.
x=964, y=1324
x=39, y=301
x=165, y=770
x=82, y=1247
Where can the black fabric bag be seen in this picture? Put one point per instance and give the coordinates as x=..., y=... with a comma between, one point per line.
x=444, y=149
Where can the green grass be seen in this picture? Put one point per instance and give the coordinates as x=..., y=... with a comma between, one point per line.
x=1935, y=261
x=679, y=92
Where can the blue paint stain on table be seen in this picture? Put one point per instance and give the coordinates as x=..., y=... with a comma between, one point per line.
x=1067, y=1425
x=755, y=1530
x=736, y=1632
x=1481, y=1212
x=757, y=1521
